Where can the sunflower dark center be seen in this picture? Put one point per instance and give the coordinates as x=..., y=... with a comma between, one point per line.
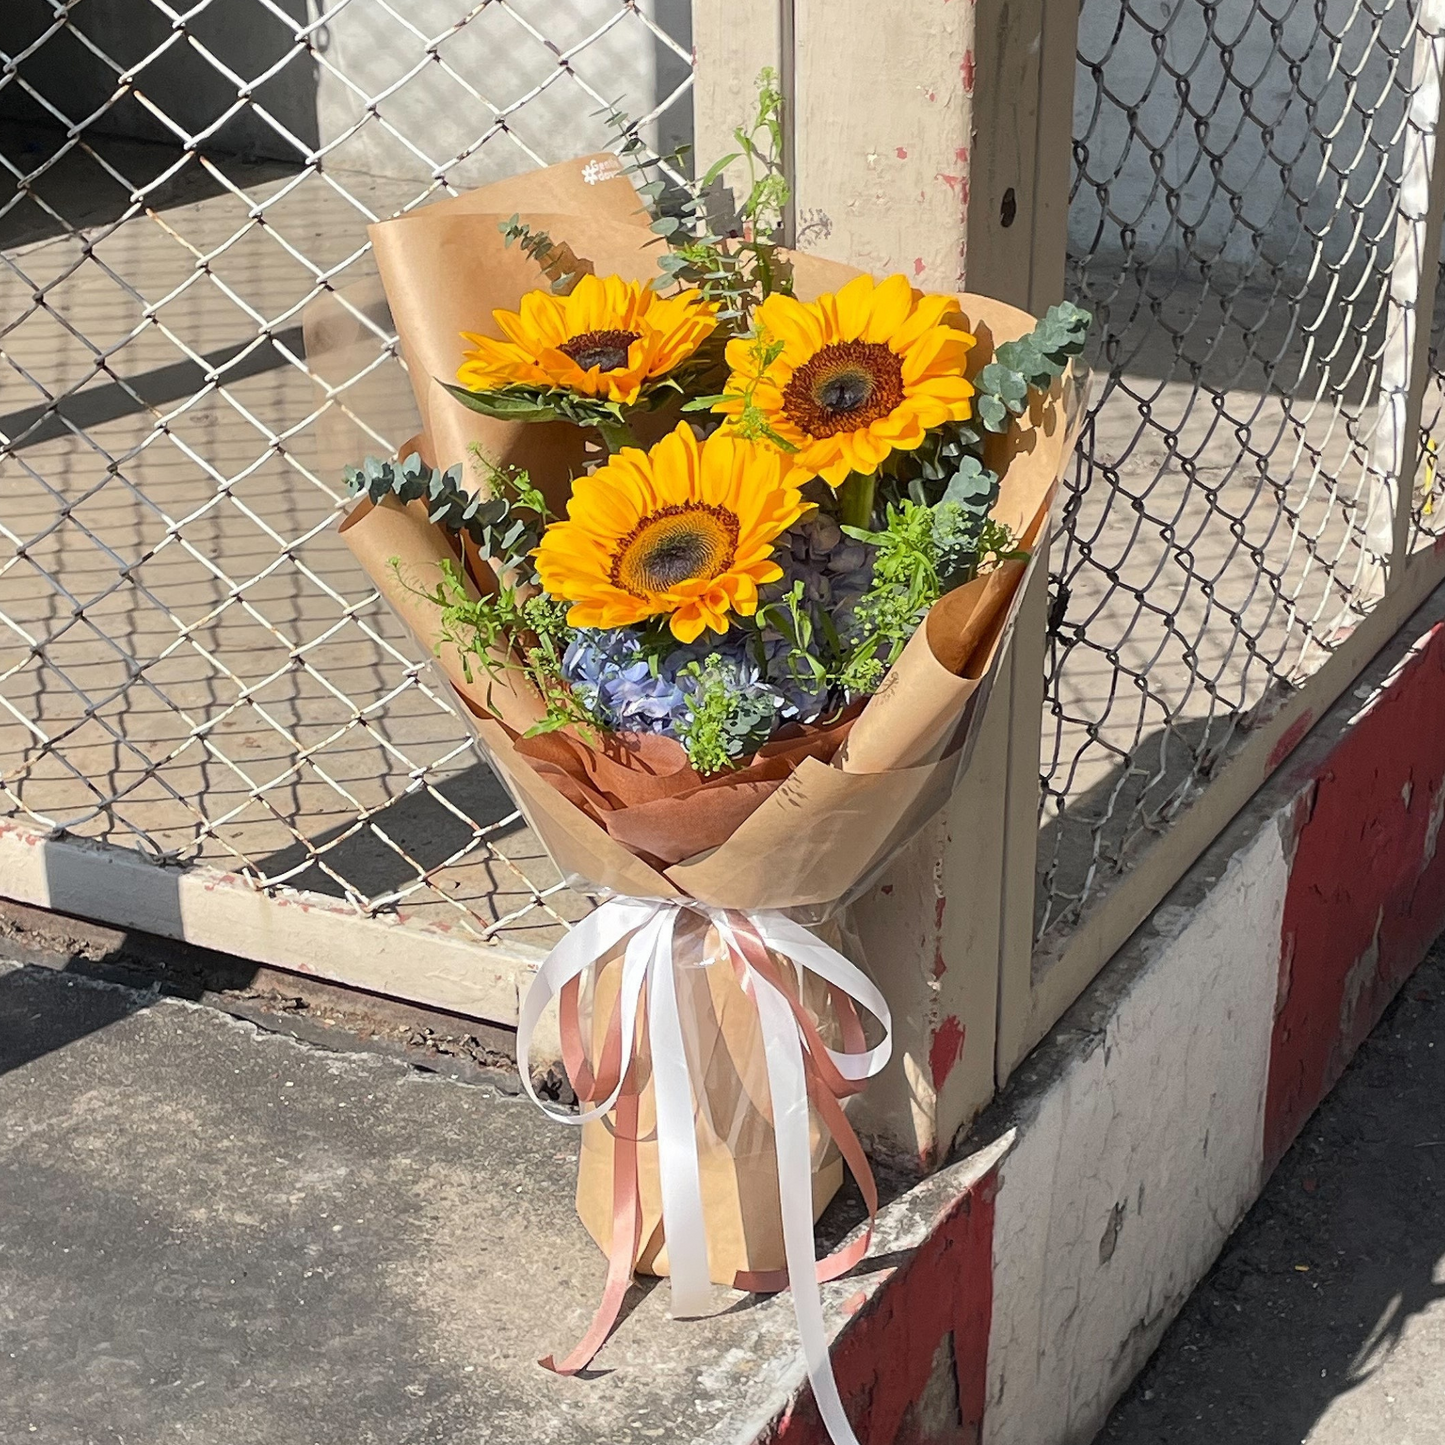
x=844, y=387
x=606, y=350
x=673, y=545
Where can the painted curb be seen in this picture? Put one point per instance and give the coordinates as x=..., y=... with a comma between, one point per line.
x=1145, y=1125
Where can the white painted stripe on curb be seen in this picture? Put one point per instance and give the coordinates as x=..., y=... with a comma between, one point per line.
x=1106, y=1214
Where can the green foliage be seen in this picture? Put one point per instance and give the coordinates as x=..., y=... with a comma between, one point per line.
x=505, y=521
x=738, y=270
x=922, y=552
x=1034, y=361
x=810, y=637
x=761, y=145
x=751, y=421
x=514, y=628
x=541, y=403
x=722, y=723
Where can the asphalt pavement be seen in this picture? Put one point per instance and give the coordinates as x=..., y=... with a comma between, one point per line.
x=215, y=1233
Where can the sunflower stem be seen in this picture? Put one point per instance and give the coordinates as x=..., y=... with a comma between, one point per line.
x=615, y=435
x=855, y=500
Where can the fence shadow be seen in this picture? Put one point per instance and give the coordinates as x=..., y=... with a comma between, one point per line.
x=41, y=1012
x=1106, y=828
x=428, y=832
x=78, y=191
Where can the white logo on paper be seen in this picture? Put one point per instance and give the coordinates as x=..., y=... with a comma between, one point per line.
x=595, y=171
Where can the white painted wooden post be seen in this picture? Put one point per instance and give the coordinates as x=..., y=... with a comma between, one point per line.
x=732, y=42
x=933, y=139
x=1053, y=75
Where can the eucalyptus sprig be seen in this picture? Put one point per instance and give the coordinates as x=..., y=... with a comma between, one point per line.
x=556, y=259
x=1034, y=361
x=505, y=521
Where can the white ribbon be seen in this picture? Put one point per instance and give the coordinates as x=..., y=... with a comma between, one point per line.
x=648, y=924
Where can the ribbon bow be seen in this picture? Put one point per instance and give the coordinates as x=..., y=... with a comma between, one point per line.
x=800, y=1069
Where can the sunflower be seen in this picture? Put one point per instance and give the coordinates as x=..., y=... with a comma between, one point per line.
x=686, y=528
x=851, y=377
x=606, y=339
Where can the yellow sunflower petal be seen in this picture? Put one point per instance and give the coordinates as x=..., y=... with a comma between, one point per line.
x=868, y=451
x=540, y=317
x=928, y=312
x=786, y=319
x=687, y=623
x=950, y=390
x=854, y=305
x=739, y=353
x=585, y=307
x=908, y=424
x=939, y=352
x=890, y=308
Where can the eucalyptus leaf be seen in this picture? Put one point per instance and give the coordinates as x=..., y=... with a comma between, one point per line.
x=992, y=412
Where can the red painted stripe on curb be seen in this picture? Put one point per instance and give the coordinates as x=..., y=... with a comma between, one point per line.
x=913, y=1366
x=1366, y=894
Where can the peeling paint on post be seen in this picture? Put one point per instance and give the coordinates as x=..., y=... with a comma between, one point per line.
x=947, y=1049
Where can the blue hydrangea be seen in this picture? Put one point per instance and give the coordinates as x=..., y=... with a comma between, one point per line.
x=833, y=568
x=618, y=686
x=627, y=692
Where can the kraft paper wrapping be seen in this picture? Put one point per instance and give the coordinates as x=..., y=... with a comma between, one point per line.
x=811, y=840
x=446, y=268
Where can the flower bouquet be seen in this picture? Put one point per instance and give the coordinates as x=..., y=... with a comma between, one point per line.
x=718, y=546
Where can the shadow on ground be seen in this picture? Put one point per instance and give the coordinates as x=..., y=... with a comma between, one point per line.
x=1322, y=1319
x=31, y=1024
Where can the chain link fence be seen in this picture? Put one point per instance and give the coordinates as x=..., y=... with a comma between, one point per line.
x=1234, y=228
x=190, y=664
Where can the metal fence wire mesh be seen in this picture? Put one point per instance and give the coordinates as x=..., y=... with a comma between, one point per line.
x=190, y=663
x=1234, y=227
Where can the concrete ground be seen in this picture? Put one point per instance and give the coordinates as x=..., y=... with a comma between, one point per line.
x=218, y=1233
x=332, y=1224
x=1324, y=1319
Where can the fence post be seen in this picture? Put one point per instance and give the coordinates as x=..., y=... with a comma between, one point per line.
x=732, y=42
x=933, y=140
x=1052, y=165
x=1414, y=274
